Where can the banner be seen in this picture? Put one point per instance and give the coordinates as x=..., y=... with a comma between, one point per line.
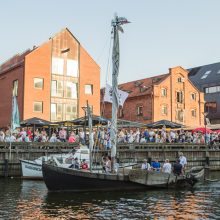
x=122, y=96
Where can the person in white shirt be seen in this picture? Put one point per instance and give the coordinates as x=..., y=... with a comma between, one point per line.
x=145, y=165
x=183, y=160
x=53, y=138
x=167, y=166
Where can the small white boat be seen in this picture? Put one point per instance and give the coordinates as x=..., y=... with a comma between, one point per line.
x=32, y=169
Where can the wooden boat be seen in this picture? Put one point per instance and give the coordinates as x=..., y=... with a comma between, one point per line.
x=60, y=178
x=160, y=179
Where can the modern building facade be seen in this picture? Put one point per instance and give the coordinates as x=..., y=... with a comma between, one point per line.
x=170, y=96
x=52, y=81
x=207, y=79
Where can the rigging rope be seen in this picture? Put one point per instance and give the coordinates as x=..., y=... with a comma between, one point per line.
x=107, y=74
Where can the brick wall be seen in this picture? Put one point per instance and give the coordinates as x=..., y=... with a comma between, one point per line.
x=38, y=65
x=89, y=74
x=6, y=86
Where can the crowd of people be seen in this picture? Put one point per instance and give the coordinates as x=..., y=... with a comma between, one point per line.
x=101, y=136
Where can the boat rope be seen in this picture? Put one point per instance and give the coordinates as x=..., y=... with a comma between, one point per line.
x=106, y=75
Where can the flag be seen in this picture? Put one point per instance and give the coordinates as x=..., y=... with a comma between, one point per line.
x=15, y=120
x=122, y=96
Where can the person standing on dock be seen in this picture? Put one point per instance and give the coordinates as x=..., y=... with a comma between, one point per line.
x=167, y=168
x=178, y=168
x=183, y=160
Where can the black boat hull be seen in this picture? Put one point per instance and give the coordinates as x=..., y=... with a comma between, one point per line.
x=66, y=179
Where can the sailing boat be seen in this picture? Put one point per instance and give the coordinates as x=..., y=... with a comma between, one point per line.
x=60, y=178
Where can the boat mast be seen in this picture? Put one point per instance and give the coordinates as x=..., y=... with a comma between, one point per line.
x=116, y=24
x=89, y=114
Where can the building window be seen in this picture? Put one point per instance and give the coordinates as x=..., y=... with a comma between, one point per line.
x=89, y=89
x=140, y=111
x=206, y=74
x=71, y=112
x=38, y=83
x=71, y=90
x=15, y=88
x=72, y=68
x=164, y=110
x=179, y=97
x=57, y=65
x=180, y=115
x=180, y=80
x=53, y=109
x=38, y=107
x=193, y=113
x=212, y=89
x=163, y=92
x=193, y=96
x=211, y=107
x=121, y=113
x=57, y=88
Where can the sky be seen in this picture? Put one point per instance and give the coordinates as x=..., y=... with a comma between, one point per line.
x=161, y=35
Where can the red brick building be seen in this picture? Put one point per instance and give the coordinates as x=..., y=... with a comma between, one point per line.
x=52, y=81
x=170, y=96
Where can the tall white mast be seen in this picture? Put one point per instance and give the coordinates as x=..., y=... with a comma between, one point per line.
x=116, y=24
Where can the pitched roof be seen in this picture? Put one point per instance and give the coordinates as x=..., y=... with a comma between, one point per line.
x=14, y=61
x=207, y=75
x=142, y=86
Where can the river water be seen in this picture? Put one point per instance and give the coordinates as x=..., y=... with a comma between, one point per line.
x=22, y=199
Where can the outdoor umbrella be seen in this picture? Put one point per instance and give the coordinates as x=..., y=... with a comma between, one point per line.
x=35, y=122
x=95, y=120
x=202, y=130
x=161, y=123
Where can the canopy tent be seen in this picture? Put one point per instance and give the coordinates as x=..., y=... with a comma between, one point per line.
x=166, y=123
x=98, y=120
x=95, y=120
x=132, y=124
x=202, y=130
x=35, y=122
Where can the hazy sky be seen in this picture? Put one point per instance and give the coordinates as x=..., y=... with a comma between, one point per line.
x=162, y=34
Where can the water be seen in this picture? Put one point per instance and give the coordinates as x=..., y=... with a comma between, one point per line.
x=31, y=200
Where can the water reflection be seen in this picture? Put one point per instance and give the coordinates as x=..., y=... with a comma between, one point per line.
x=31, y=200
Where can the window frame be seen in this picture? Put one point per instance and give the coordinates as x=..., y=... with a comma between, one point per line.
x=162, y=92
x=164, y=107
x=179, y=97
x=193, y=94
x=35, y=102
x=139, y=110
x=195, y=113
x=92, y=88
x=42, y=83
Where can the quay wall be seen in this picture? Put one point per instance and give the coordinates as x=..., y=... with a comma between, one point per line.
x=196, y=154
